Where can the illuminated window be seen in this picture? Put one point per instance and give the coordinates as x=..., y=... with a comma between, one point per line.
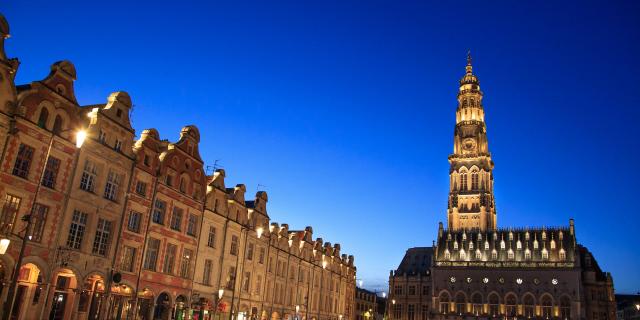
x=502, y=245
x=510, y=254
x=553, y=244
x=545, y=254
x=463, y=255
x=562, y=254
x=447, y=254
x=51, y=172
x=474, y=181
x=455, y=245
x=463, y=181
x=486, y=245
x=478, y=254
x=518, y=245
x=494, y=254
x=527, y=254
x=9, y=212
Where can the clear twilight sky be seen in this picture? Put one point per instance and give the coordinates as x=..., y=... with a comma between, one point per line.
x=344, y=111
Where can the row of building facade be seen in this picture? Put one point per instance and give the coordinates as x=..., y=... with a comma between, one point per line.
x=126, y=228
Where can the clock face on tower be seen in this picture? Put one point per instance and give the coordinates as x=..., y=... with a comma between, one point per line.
x=469, y=145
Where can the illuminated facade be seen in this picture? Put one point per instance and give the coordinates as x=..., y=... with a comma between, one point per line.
x=135, y=229
x=477, y=270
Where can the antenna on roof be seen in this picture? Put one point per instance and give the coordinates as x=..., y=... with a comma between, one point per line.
x=215, y=166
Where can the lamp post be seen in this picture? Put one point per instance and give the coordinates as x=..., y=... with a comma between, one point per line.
x=81, y=136
x=218, y=300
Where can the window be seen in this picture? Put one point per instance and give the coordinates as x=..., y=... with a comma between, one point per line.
x=463, y=181
x=258, y=289
x=102, y=137
x=527, y=254
x=425, y=290
x=545, y=254
x=101, y=240
x=397, y=290
x=127, y=259
x=134, y=221
x=510, y=254
x=494, y=254
x=51, y=172
x=169, y=180
x=9, y=212
x=111, y=188
x=176, y=219
x=38, y=221
x=141, y=188
x=562, y=254
x=250, y=252
x=231, y=278
x=119, y=112
x=57, y=125
x=234, y=246
x=42, y=119
x=261, y=256
x=182, y=187
x=185, y=265
x=474, y=181
x=411, y=312
x=246, y=281
x=169, y=258
x=118, y=145
x=412, y=290
x=424, y=313
x=397, y=311
x=206, y=275
x=159, y=211
x=151, y=257
x=88, y=180
x=76, y=230
x=192, y=225
x=211, y=240
x=23, y=161
x=146, y=160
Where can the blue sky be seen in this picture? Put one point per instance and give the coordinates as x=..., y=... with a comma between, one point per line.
x=344, y=111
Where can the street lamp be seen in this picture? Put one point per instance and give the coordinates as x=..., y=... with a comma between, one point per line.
x=81, y=136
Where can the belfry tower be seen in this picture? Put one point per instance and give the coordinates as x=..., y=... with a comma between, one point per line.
x=471, y=201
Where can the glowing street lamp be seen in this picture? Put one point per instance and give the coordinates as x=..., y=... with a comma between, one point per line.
x=220, y=293
x=81, y=136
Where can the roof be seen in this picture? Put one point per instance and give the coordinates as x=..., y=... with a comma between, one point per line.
x=416, y=261
x=513, y=246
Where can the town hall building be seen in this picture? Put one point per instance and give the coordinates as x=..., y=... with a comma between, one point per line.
x=476, y=269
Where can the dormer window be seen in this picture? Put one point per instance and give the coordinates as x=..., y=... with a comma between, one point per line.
x=560, y=235
x=553, y=244
x=562, y=254
x=478, y=254
x=486, y=245
x=494, y=254
x=182, y=186
x=510, y=236
x=526, y=236
x=447, y=254
x=510, y=254
x=527, y=254
x=463, y=255
x=545, y=254
x=518, y=245
x=118, y=145
x=119, y=113
x=471, y=245
x=535, y=244
x=544, y=235
x=455, y=245
x=146, y=160
x=169, y=180
x=502, y=245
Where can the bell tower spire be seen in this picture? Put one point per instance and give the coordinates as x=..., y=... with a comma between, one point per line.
x=471, y=203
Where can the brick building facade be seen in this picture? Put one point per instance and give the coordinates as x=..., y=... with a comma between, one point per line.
x=126, y=228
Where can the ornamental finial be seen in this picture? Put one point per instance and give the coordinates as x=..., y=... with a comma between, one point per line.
x=469, y=67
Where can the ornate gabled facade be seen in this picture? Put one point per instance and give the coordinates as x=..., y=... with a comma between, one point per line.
x=120, y=228
x=480, y=271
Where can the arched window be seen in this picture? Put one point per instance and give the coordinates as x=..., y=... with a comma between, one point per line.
x=461, y=303
x=42, y=119
x=57, y=125
x=486, y=245
x=474, y=180
x=511, y=305
x=463, y=255
x=529, y=306
x=510, y=254
x=444, y=303
x=562, y=254
x=494, y=305
x=545, y=254
x=447, y=254
x=494, y=254
x=518, y=245
x=527, y=254
x=476, y=306
x=478, y=254
x=547, y=307
x=463, y=181
x=552, y=244
x=565, y=308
